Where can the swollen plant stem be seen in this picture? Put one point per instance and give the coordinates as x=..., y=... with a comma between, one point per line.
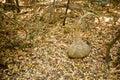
x=80, y=20
x=79, y=24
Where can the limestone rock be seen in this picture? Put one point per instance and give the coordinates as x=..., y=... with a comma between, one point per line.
x=78, y=49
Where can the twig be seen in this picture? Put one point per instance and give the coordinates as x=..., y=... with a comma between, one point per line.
x=110, y=45
x=15, y=21
x=67, y=7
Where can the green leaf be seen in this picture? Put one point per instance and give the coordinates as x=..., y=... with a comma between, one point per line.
x=31, y=36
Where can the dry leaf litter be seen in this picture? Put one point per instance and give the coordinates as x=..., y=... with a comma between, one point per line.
x=47, y=59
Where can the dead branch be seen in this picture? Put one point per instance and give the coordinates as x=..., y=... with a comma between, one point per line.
x=110, y=45
x=15, y=22
x=65, y=16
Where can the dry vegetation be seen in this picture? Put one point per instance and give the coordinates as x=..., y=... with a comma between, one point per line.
x=34, y=43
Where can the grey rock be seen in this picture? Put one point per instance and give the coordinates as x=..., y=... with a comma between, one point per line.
x=78, y=49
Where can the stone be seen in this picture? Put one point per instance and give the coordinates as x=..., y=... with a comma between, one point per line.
x=78, y=49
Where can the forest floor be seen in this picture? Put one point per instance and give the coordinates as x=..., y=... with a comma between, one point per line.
x=44, y=56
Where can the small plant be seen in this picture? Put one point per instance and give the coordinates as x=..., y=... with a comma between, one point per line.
x=66, y=30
